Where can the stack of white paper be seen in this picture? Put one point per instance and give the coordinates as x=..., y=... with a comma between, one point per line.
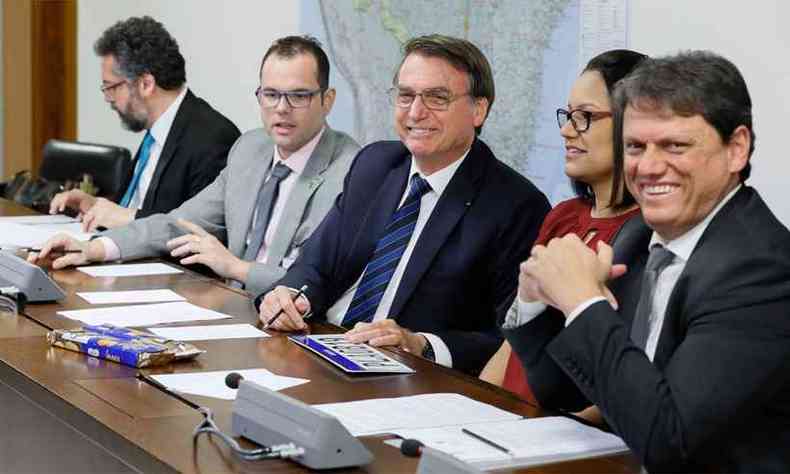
x=130, y=269
x=207, y=333
x=39, y=219
x=130, y=297
x=212, y=384
x=13, y=234
x=144, y=315
x=529, y=442
x=385, y=415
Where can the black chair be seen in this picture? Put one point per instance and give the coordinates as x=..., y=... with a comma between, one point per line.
x=109, y=166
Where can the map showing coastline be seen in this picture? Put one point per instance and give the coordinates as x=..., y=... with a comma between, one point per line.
x=533, y=47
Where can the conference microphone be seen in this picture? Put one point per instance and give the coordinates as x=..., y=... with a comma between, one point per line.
x=232, y=380
x=411, y=447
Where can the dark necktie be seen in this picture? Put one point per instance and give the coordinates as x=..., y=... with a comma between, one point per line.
x=142, y=160
x=267, y=196
x=658, y=260
x=389, y=249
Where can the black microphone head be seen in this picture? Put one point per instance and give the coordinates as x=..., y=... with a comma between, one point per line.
x=411, y=447
x=232, y=379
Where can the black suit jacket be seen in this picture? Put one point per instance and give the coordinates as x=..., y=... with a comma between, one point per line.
x=717, y=394
x=465, y=263
x=195, y=151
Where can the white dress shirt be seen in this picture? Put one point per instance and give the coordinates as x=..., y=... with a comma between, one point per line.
x=682, y=247
x=159, y=131
x=438, y=181
x=296, y=163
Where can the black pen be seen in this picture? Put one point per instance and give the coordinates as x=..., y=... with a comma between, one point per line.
x=298, y=294
x=37, y=250
x=55, y=251
x=486, y=441
x=156, y=384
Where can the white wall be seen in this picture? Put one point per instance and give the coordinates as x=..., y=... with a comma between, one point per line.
x=222, y=42
x=754, y=36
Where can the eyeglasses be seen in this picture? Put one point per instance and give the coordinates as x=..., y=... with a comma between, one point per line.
x=433, y=99
x=109, y=89
x=270, y=98
x=580, y=119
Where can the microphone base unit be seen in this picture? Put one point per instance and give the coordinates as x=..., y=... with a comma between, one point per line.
x=270, y=418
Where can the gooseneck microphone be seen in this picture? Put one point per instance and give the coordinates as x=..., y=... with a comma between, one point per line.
x=411, y=447
x=232, y=380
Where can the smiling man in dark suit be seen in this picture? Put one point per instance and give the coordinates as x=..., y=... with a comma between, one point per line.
x=422, y=247
x=692, y=370
x=186, y=142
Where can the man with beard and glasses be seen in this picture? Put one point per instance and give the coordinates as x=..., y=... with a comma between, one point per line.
x=186, y=141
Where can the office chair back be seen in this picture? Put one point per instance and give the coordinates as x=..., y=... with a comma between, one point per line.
x=109, y=166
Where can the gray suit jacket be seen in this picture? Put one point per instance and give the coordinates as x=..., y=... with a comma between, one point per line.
x=225, y=207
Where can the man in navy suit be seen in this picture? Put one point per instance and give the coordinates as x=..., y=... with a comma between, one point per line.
x=422, y=248
x=692, y=370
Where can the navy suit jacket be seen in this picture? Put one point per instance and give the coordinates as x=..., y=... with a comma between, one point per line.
x=465, y=263
x=195, y=151
x=717, y=394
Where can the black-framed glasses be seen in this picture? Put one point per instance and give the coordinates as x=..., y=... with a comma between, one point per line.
x=270, y=98
x=109, y=89
x=580, y=119
x=433, y=99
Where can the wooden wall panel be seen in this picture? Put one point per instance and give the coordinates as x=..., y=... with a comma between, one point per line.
x=40, y=72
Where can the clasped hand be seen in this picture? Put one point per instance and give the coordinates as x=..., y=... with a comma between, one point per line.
x=566, y=273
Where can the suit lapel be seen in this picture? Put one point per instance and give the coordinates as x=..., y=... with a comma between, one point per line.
x=378, y=216
x=172, y=142
x=304, y=188
x=696, y=274
x=452, y=205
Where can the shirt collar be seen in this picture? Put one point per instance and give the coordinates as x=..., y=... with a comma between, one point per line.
x=684, y=245
x=440, y=179
x=161, y=128
x=298, y=159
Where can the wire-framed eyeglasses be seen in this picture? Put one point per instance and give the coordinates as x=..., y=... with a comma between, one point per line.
x=433, y=99
x=109, y=89
x=270, y=98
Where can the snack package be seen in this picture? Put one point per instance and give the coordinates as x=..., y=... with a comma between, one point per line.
x=123, y=345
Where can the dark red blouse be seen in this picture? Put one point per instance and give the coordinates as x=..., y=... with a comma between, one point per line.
x=567, y=217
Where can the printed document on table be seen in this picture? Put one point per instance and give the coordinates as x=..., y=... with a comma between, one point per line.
x=130, y=297
x=531, y=441
x=129, y=270
x=40, y=219
x=207, y=333
x=144, y=314
x=21, y=235
x=74, y=229
x=212, y=384
x=385, y=415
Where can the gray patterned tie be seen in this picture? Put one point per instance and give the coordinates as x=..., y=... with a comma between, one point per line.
x=658, y=260
x=267, y=196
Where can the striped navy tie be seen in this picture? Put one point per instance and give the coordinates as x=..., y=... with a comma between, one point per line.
x=390, y=248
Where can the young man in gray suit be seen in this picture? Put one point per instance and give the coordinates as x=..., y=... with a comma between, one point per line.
x=279, y=184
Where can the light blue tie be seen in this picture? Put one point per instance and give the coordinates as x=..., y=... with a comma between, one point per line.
x=385, y=258
x=142, y=160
